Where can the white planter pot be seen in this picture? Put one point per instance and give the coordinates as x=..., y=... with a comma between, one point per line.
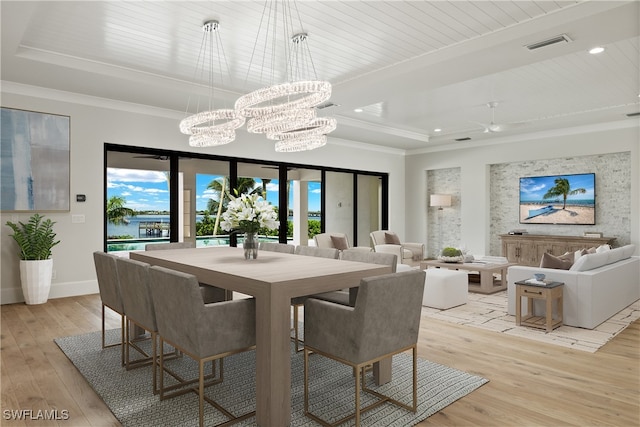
x=36, y=280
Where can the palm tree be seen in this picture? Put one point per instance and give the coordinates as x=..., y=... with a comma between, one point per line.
x=117, y=212
x=562, y=188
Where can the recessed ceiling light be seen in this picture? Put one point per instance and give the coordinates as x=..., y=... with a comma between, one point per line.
x=437, y=130
x=596, y=50
x=358, y=110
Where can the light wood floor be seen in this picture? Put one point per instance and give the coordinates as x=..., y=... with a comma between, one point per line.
x=531, y=384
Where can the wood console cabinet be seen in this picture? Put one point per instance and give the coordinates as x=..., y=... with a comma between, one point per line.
x=527, y=249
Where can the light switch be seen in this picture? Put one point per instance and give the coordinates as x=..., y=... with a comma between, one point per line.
x=77, y=219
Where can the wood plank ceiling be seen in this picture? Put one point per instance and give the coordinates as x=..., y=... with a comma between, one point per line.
x=412, y=66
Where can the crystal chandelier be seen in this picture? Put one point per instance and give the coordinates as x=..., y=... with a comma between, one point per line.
x=285, y=111
x=211, y=127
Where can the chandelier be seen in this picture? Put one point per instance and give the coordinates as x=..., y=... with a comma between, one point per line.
x=210, y=127
x=285, y=111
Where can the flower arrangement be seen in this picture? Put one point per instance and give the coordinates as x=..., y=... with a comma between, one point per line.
x=249, y=213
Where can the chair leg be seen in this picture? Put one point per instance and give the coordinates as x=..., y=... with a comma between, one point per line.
x=122, y=334
x=154, y=361
x=161, y=385
x=306, y=380
x=296, y=336
x=358, y=373
x=201, y=392
x=123, y=321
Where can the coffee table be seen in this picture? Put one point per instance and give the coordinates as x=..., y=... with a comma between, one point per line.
x=489, y=284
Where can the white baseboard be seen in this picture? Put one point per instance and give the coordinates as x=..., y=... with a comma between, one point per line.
x=58, y=290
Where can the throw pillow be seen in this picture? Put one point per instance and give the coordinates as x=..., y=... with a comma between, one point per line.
x=340, y=242
x=603, y=248
x=550, y=261
x=567, y=256
x=391, y=239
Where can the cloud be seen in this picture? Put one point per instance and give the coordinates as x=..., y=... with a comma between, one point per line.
x=527, y=186
x=134, y=175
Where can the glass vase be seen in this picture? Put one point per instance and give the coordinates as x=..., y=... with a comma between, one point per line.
x=250, y=245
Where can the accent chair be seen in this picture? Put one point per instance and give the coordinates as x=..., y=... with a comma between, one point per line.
x=109, y=287
x=204, y=332
x=136, y=298
x=276, y=247
x=338, y=241
x=348, y=296
x=385, y=321
x=389, y=242
x=298, y=302
x=209, y=293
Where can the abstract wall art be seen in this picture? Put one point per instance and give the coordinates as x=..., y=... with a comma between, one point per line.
x=34, y=161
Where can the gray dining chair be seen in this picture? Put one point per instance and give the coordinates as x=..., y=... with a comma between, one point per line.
x=136, y=299
x=209, y=293
x=298, y=302
x=385, y=321
x=276, y=247
x=204, y=332
x=109, y=287
x=348, y=297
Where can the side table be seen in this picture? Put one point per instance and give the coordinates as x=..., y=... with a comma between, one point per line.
x=547, y=292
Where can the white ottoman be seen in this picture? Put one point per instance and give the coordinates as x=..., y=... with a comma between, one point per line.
x=445, y=288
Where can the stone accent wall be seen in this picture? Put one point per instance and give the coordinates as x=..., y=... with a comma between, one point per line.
x=447, y=221
x=613, y=189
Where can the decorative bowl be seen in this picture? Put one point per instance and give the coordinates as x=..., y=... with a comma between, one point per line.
x=451, y=259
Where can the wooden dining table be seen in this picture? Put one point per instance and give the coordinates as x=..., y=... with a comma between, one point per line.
x=273, y=279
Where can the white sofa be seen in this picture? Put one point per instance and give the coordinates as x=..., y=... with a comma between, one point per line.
x=599, y=286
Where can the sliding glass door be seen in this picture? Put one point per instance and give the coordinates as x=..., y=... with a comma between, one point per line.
x=154, y=196
x=138, y=209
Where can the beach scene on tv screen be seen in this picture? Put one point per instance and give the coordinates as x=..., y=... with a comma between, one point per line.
x=559, y=199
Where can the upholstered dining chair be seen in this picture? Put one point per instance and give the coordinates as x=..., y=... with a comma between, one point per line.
x=109, y=287
x=204, y=332
x=298, y=302
x=209, y=293
x=348, y=297
x=389, y=242
x=384, y=322
x=136, y=299
x=276, y=247
x=339, y=241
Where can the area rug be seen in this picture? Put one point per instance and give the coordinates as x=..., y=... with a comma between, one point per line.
x=490, y=312
x=128, y=394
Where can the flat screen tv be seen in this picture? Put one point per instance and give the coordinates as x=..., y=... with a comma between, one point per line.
x=558, y=199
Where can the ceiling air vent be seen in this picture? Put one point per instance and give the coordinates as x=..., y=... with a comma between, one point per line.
x=466, y=138
x=633, y=114
x=562, y=38
x=327, y=105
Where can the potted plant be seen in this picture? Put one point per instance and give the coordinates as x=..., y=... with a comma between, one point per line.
x=450, y=254
x=35, y=239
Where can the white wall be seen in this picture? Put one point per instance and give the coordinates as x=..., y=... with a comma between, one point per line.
x=96, y=121
x=474, y=161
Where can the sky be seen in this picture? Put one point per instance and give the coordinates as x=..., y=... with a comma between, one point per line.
x=146, y=190
x=533, y=188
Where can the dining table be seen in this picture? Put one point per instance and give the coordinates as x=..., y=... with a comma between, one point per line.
x=273, y=278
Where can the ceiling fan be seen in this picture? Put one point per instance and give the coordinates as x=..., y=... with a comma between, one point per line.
x=153, y=156
x=493, y=127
